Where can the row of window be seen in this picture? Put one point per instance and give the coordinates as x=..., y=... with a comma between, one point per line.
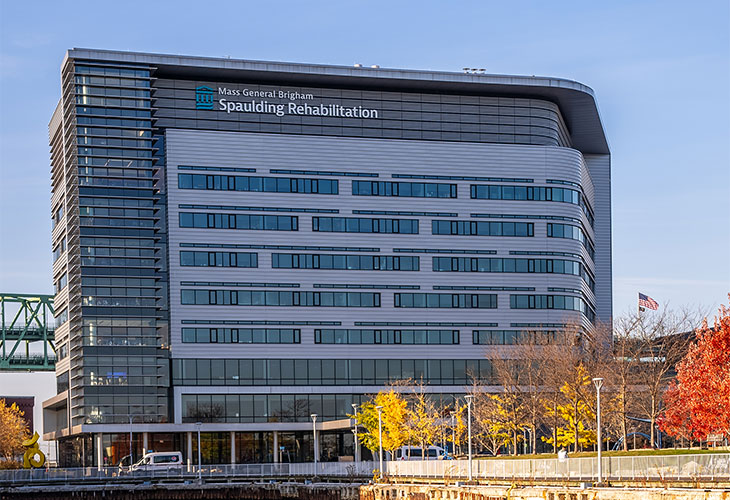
x=372, y=299
x=349, y=262
x=106, y=70
x=565, y=302
x=121, y=112
x=305, y=372
x=120, y=251
x=241, y=335
x=488, y=192
x=573, y=233
x=446, y=300
x=116, y=212
x=405, y=189
x=361, y=225
x=240, y=221
x=480, y=228
x=100, y=80
x=505, y=265
x=512, y=337
x=357, y=336
x=364, y=225
x=280, y=298
x=565, y=195
x=219, y=259
x=85, y=89
x=258, y=184
x=246, y=408
x=116, y=202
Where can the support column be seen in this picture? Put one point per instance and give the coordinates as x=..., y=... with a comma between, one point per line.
x=190, y=451
x=99, y=452
x=233, y=448
x=276, y=447
x=145, y=437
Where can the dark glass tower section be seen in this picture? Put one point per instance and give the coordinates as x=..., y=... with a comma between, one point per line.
x=119, y=366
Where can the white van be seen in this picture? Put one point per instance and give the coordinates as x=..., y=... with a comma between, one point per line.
x=164, y=460
x=416, y=453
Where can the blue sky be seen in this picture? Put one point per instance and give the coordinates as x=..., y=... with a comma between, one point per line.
x=660, y=70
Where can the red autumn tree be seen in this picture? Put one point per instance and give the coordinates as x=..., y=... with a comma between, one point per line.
x=698, y=402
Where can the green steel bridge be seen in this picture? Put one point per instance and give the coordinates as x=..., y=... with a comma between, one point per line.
x=26, y=339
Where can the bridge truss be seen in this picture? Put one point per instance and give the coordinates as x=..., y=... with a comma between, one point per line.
x=27, y=335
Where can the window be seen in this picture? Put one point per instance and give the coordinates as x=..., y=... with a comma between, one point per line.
x=446, y=300
x=408, y=337
x=345, y=262
x=482, y=228
x=241, y=335
x=239, y=221
x=363, y=225
x=511, y=337
x=558, y=194
x=573, y=233
x=406, y=189
x=564, y=302
x=257, y=184
x=314, y=372
x=280, y=298
x=218, y=259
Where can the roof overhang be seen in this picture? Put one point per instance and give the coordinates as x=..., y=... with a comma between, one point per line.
x=576, y=101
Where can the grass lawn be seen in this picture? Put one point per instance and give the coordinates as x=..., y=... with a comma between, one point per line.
x=583, y=454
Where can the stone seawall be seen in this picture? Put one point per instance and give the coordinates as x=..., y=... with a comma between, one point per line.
x=436, y=492
x=298, y=491
x=219, y=491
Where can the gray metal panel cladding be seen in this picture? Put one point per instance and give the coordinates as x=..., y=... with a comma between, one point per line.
x=384, y=157
x=599, y=167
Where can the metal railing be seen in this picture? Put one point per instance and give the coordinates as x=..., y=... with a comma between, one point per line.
x=699, y=467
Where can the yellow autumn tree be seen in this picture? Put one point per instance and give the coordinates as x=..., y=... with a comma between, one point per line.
x=13, y=430
x=509, y=418
x=394, y=416
x=425, y=425
x=457, y=434
x=574, y=411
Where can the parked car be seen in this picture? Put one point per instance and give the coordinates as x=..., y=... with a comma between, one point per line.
x=416, y=453
x=159, y=461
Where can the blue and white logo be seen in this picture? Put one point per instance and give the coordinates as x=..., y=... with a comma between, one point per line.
x=203, y=97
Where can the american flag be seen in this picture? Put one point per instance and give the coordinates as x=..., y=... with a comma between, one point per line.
x=648, y=302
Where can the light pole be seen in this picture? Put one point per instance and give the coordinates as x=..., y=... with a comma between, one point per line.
x=598, y=382
x=200, y=465
x=130, y=442
x=453, y=435
x=354, y=430
x=380, y=435
x=314, y=440
x=469, y=398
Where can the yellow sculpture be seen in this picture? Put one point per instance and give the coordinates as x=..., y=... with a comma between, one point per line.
x=29, y=459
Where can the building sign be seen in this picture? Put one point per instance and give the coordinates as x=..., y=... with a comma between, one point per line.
x=257, y=101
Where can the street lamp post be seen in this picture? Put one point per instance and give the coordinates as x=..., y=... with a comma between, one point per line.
x=469, y=398
x=314, y=440
x=380, y=435
x=130, y=442
x=354, y=430
x=453, y=435
x=598, y=382
x=200, y=465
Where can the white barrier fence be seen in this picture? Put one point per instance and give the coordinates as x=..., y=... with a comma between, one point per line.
x=629, y=468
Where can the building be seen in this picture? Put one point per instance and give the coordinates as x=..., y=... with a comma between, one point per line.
x=25, y=404
x=244, y=243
